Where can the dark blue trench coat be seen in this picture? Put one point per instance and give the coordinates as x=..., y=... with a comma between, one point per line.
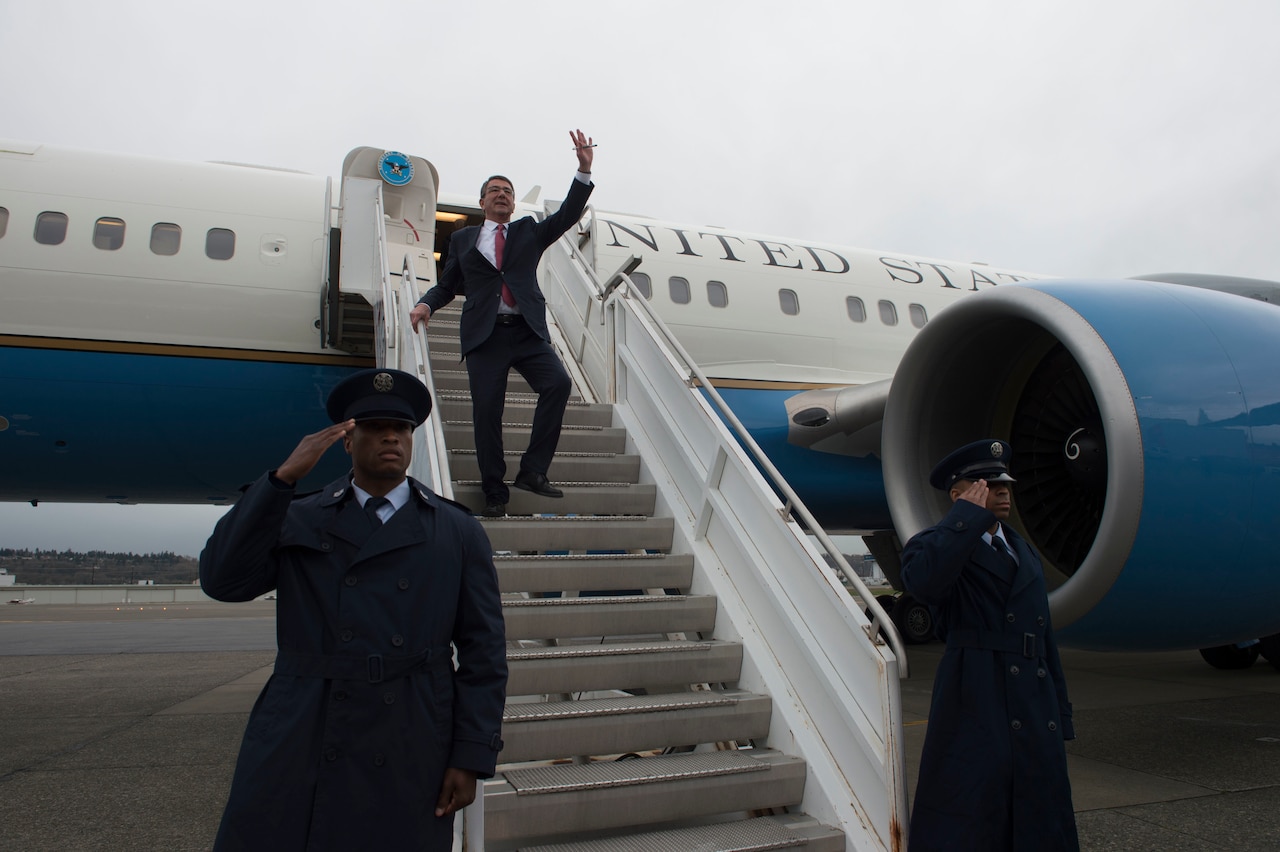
x=993, y=773
x=348, y=742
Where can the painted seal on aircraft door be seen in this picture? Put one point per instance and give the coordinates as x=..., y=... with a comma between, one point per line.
x=395, y=168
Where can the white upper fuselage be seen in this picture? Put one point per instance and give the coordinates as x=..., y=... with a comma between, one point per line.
x=781, y=311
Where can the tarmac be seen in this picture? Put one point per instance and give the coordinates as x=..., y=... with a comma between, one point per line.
x=119, y=728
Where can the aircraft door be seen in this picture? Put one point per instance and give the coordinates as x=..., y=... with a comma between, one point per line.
x=408, y=189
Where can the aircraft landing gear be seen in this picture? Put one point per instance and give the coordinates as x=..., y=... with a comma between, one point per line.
x=1269, y=647
x=913, y=619
x=1230, y=656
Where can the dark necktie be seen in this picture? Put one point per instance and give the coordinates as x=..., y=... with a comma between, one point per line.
x=371, y=507
x=998, y=543
x=500, y=243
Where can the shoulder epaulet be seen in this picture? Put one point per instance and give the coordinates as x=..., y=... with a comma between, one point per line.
x=456, y=504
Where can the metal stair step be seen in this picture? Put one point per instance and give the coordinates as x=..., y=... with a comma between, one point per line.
x=573, y=439
x=456, y=406
x=621, y=498
x=786, y=831
x=579, y=533
x=594, y=573
x=553, y=670
x=538, y=802
x=614, y=615
x=630, y=723
x=564, y=469
x=457, y=380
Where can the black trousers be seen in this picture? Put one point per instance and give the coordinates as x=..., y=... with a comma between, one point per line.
x=515, y=347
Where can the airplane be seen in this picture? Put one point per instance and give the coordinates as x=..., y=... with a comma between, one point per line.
x=169, y=329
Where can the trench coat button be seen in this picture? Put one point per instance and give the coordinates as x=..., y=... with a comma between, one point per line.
x=1053, y=726
x=330, y=755
x=397, y=640
x=1040, y=620
x=1040, y=672
x=1013, y=670
x=350, y=581
x=345, y=636
x=339, y=695
x=378, y=760
x=388, y=698
x=403, y=583
x=326, y=546
x=1016, y=725
x=1008, y=617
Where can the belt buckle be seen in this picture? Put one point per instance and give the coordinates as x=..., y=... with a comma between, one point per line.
x=375, y=668
x=1029, y=645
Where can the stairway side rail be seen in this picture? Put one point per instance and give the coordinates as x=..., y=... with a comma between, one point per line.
x=413, y=355
x=837, y=702
x=398, y=346
x=604, y=351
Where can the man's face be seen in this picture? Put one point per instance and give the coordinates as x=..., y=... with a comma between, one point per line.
x=380, y=451
x=999, y=500
x=498, y=201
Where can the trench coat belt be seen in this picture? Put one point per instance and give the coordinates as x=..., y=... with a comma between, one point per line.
x=375, y=668
x=1028, y=644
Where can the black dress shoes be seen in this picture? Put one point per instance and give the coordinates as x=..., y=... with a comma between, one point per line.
x=494, y=510
x=537, y=483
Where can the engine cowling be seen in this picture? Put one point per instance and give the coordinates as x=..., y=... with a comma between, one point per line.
x=1145, y=423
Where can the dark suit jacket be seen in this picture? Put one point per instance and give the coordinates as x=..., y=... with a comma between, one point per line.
x=349, y=740
x=468, y=272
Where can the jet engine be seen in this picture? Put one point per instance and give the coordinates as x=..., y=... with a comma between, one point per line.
x=1145, y=424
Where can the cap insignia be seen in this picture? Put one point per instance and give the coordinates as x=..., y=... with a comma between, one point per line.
x=382, y=382
x=996, y=450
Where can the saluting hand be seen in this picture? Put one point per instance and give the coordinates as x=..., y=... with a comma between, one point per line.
x=309, y=450
x=976, y=493
x=585, y=150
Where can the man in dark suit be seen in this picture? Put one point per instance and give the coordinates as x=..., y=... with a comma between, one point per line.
x=993, y=773
x=504, y=325
x=366, y=736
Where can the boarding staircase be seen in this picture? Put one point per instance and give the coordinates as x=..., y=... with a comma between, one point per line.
x=686, y=673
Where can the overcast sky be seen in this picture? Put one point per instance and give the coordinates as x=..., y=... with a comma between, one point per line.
x=1100, y=139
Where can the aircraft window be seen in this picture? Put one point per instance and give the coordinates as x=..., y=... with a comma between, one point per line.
x=51, y=228
x=918, y=315
x=643, y=284
x=888, y=313
x=220, y=244
x=166, y=238
x=680, y=292
x=789, y=301
x=857, y=310
x=4, y=220
x=717, y=294
x=108, y=233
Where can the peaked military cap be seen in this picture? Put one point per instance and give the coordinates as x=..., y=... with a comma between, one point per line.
x=986, y=459
x=379, y=394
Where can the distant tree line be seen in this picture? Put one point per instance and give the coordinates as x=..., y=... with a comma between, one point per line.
x=96, y=567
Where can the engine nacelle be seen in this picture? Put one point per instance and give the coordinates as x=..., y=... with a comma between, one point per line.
x=1145, y=424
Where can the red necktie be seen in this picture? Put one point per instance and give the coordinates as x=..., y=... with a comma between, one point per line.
x=499, y=243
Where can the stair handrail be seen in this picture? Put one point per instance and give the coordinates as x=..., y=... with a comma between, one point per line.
x=880, y=623
x=415, y=357
x=399, y=346
x=842, y=712
x=396, y=344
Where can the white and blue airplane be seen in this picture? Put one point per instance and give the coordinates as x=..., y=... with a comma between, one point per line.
x=168, y=329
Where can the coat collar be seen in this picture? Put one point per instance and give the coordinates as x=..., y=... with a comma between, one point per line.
x=352, y=525
x=341, y=489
